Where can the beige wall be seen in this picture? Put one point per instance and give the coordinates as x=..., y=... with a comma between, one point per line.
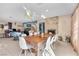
x=2, y=30
x=75, y=29
x=17, y=25
x=64, y=26
x=51, y=23
x=2, y=21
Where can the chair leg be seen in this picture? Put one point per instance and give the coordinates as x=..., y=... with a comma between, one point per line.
x=25, y=52
x=20, y=53
x=54, y=45
x=31, y=51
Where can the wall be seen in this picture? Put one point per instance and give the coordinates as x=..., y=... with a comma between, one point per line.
x=51, y=23
x=1, y=30
x=2, y=22
x=17, y=25
x=64, y=26
x=75, y=29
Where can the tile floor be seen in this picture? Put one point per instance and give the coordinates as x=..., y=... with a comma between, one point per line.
x=9, y=47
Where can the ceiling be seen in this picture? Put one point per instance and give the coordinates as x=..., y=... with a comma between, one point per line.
x=16, y=12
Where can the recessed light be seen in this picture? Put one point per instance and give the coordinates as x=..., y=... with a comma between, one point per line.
x=46, y=10
x=28, y=13
x=24, y=7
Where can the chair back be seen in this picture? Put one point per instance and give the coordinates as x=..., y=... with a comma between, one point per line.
x=38, y=33
x=23, y=35
x=22, y=43
x=48, y=41
x=30, y=34
x=35, y=33
x=48, y=50
x=54, y=39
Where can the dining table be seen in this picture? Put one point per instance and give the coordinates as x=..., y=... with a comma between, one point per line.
x=37, y=42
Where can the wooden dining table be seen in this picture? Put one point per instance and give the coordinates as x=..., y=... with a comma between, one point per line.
x=37, y=41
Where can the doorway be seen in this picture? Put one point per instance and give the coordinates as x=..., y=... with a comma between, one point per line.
x=42, y=27
x=9, y=25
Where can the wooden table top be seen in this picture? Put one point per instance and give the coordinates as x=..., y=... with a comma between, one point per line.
x=35, y=39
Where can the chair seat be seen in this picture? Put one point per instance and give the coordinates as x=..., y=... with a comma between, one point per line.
x=26, y=47
x=23, y=35
x=23, y=44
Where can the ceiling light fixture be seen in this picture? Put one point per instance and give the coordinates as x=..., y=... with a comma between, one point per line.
x=24, y=8
x=46, y=10
x=43, y=16
x=28, y=13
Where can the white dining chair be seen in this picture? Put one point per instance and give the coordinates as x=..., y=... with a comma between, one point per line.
x=30, y=34
x=53, y=40
x=48, y=51
x=35, y=33
x=23, y=35
x=24, y=45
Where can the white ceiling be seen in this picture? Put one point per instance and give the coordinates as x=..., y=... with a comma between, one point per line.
x=16, y=12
